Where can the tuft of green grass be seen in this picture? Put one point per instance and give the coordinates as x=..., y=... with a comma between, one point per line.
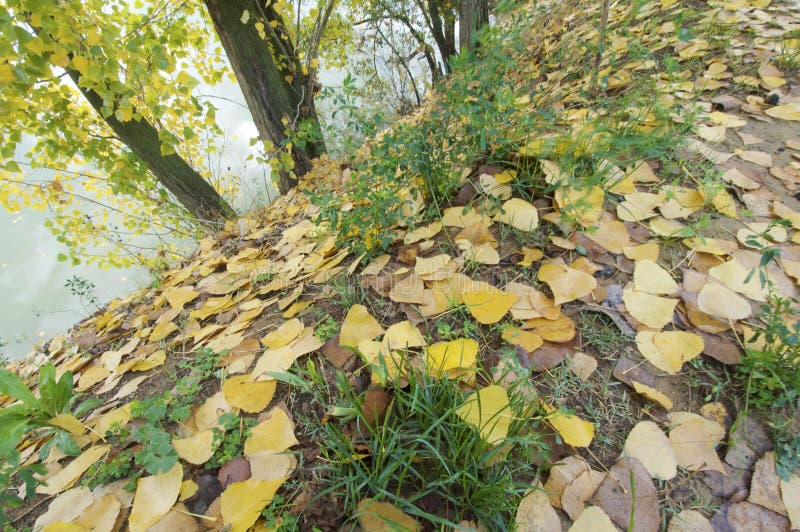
x=423, y=458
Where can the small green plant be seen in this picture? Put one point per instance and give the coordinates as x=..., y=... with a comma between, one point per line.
x=327, y=329
x=12, y=473
x=424, y=451
x=173, y=406
x=347, y=292
x=83, y=289
x=38, y=413
x=229, y=439
x=277, y=516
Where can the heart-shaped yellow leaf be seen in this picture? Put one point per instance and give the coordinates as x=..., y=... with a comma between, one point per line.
x=651, y=278
x=489, y=305
x=197, y=449
x=567, y=284
x=456, y=354
x=154, y=497
x=652, y=311
x=574, y=430
x=250, y=396
x=488, y=410
x=520, y=214
x=358, y=325
x=275, y=433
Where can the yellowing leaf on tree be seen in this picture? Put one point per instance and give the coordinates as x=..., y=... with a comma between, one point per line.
x=520, y=214
x=154, y=497
x=651, y=278
x=648, y=444
x=527, y=340
x=455, y=354
x=567, y=284
x=722, y=302
x=241, y=502
x=275, y=433
x=573, y=430
x=197, y=449
x=283, y=335
x=69, y=475
x=250, y=396
x=489, y=305
x=358, y=325
x=652, y=311
x=403, y=335
x=374, y=516
x=489, y=411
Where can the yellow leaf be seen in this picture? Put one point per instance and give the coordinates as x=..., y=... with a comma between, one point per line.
x=188, y=489
x=535, y=514
x=530, y=255
x=241, y=502
x=275, y=433
x=647, y=251
x=102, y=514
x=573, y=430
x=358, y=325
x=80, y=63
x=488, y=305
x=428, y=266
x=153, y=361
x=652, y=311
x=520, y=214
x=694, y=440
x=489, y=411
x=403, y=335
x=67, y=477
x=651, y=278
x=162, y=330
x=722, y=302
x=593, y=518
x=788, y=111
x=271, y=465
x=197, y=449
x=561, y=329
x=283, y=335
x=733, y=275
x=456, y=354
x=154, y=497
x=567, y=284
x=374, y=516
x=668, y=350
x=527, y=340
x=69, y=423
x=250, y=396
x=790, y=494
x=651, y=447
x=178, y=296
x=653, y=394
x=584, y=205
x=612, y=236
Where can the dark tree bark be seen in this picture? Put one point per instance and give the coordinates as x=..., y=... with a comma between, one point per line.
x=172, y=171
x=441, y=21
x=472, y=15
x=270, y=74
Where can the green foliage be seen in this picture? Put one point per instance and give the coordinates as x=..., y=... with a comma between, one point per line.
x=327, y=329
x=83, y=289
x=172, y=406
x=116, y=468
x=423, y=451
x=12, y=473
x=277, y=517
x=229, y=439
x=34, y=413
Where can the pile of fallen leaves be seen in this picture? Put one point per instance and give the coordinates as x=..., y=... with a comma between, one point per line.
x=621, y=249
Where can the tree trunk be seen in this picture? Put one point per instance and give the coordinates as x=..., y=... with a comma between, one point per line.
x=172, y=171
x=442, y=26
x=279, y=96
x=472, y=15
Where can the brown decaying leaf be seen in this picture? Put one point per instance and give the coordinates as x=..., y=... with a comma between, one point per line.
x=615, y=496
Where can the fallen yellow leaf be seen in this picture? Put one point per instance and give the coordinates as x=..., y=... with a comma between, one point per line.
x=154, y=497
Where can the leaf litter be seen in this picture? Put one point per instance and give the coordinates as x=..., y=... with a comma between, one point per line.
x=686, y=291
